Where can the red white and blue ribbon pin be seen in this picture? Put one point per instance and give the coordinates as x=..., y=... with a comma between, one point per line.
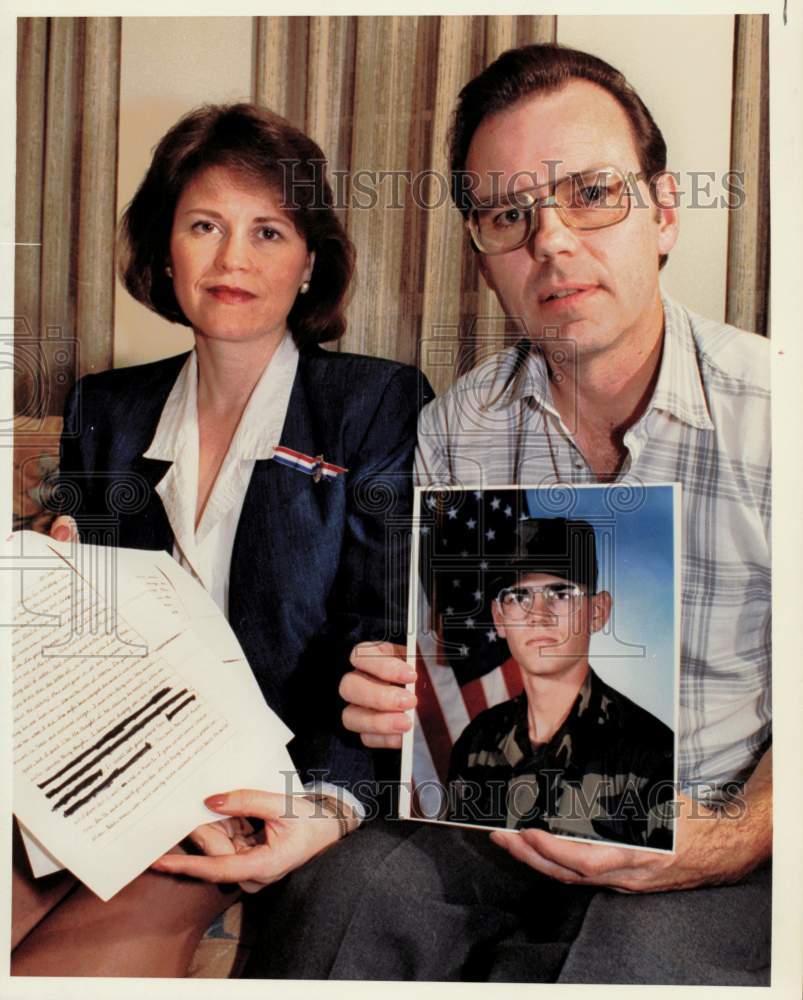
x=315, y=467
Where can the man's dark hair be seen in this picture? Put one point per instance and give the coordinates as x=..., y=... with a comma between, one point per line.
x=543, y=69
x=264, y=149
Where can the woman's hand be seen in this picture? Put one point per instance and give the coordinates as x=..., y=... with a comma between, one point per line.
x=295, y=830
x=64, y=529
x=377, y=702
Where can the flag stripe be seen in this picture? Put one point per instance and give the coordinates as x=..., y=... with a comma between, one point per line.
x=433, y=724
x=512, y=675
x=474, y=696
x=494, y=686
x=444, y=684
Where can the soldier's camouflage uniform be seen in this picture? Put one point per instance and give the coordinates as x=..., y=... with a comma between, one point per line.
x=606, y=774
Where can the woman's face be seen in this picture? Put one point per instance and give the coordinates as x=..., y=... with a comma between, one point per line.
x=236, y=258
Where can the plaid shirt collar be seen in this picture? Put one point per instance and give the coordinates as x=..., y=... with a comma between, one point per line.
x=522, y=374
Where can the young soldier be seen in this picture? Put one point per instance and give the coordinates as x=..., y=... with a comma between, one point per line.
x=569, y=754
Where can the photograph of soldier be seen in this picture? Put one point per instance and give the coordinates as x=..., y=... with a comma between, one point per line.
x=569, y=754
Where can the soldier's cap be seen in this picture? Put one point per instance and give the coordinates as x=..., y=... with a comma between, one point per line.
x=556, y=545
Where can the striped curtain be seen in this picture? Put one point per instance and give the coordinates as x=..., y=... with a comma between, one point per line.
x=747, y=297
x=68, y=72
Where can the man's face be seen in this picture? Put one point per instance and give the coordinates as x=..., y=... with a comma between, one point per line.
x=552, y=641
x=612, y=273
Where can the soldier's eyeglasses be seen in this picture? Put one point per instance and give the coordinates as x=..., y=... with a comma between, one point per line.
x=559, y=599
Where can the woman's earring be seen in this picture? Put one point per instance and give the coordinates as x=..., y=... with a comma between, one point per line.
x=303, y=288
x=169, y=271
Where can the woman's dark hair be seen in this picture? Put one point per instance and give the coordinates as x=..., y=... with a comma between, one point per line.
x=262, y=146
x=533, y=69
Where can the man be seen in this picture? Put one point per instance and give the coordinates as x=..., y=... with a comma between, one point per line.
x=560, y=170
x=569, y=754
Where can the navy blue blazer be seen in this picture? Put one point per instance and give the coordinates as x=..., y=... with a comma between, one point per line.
x=316, y=566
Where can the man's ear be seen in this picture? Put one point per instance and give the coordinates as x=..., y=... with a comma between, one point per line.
x=601, y=604
x=497, y=617
x=665, y=197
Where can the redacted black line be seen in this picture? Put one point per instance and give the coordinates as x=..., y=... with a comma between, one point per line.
x=105, y=784
x=110, y=735
x=78, y=788
x=123, y=739
x=178, y=708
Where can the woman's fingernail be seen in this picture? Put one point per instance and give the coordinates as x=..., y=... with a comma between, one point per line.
x=215, y=802
x=62, y=534
x=403, y=723
x=405, y=699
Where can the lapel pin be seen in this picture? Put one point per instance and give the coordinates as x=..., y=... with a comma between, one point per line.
x=309, y=465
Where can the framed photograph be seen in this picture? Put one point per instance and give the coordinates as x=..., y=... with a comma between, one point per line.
x=546, y=642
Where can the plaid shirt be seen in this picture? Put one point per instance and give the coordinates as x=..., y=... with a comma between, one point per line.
x=606, y=774
x=707, y=427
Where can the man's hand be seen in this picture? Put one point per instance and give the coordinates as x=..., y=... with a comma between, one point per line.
x=295, y=831
x=64, y=529
x=710, y=848
x=377, y=701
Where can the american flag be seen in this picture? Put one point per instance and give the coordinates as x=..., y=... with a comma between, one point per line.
x=466, y=540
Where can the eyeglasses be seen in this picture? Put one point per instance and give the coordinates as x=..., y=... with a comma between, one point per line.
x=560, y=599
x=593, y=199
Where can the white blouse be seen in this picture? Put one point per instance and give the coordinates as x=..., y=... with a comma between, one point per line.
x=206, y=553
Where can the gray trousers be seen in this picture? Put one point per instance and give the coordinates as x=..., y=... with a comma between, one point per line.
x=409, y=901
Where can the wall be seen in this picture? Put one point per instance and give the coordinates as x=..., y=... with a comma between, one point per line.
x=693, y=110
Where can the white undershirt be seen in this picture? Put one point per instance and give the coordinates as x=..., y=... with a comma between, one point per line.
x=206, y=553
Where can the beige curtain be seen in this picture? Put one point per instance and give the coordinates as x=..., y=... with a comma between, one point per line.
x=67, y=109
x=376, y=93
x=747, y=300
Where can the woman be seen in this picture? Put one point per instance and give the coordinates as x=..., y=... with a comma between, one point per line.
x=269, y=468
